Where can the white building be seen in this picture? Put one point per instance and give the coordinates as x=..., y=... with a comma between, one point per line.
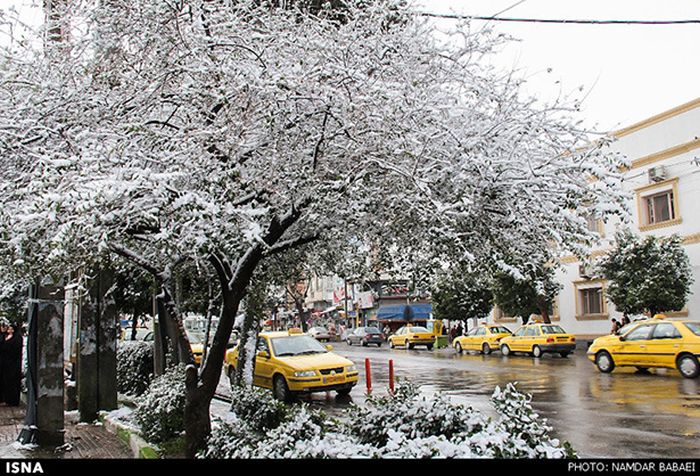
x=664, y=181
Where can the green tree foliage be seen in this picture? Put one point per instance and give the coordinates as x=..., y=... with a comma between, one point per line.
x=523, y=295
x=462, y=295
x=13, y=301
x=133, y=292
x=647, y=274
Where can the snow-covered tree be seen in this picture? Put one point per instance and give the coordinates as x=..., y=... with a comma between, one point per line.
x=527, y=294
x=462, y=294
x=222, y=133
x=647, y=275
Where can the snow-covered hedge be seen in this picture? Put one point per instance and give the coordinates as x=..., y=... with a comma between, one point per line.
x=134, y=367
x=161, y=410
x=257, y=407
x=406, y=425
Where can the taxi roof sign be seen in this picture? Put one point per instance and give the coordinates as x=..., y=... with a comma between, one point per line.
x=294, y=330
x=659, y=316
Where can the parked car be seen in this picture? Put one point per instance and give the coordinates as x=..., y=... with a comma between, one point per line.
x=483, y=338
x=321, y=334
x=197, y=345
x=650, y=343
x=365, y=336
x=290, y=363
x=537, y=338
x=410, y=336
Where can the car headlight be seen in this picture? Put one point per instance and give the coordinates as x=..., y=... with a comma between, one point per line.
x=351, y=368
x=305, y=373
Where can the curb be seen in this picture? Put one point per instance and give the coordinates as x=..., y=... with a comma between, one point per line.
x=140, y=448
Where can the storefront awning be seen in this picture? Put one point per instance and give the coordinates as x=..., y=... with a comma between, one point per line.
x=404, y=312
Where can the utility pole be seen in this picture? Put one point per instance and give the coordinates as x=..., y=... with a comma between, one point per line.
x=44, y=418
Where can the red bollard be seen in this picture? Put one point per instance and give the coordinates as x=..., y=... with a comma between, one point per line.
x=391, y=376
x=368, y=376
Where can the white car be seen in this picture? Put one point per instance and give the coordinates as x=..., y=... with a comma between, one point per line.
x=320, y=334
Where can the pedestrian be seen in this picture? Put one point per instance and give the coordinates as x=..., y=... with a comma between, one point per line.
x=625, y=321
x=4, y=324
x=453, y=333
x=11, y=364
x=615, y=326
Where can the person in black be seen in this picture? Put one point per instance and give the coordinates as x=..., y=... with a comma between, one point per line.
x=4, y=324
x=11, y=366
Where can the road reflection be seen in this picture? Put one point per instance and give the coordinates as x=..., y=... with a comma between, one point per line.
x=623, y=414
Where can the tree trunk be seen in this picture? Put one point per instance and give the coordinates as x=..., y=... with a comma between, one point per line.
x=544, y=310
x=299, y=304
x=197, y=419
x=134, y=323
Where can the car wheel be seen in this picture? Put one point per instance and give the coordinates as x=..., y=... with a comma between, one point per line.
x=688, y=366
x=379, y=345
x=280, y=389
x=364, y=344
x=505, y=350
x=564, y=354
x=430, y=346
x=536, y=352
x=349, y=342
x=391, y=343
x=604, y=362
x=486, y=348
x=458, y=347
x=409, y=346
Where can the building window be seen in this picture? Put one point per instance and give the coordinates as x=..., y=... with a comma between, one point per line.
x=590, y=299
x=659, y=208
x=500, y=316
x=657, y=205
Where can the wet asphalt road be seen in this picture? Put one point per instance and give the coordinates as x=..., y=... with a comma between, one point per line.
x=623, y=414
x=620, y=415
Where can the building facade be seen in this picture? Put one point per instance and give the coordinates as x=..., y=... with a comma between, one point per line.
x=664, y=185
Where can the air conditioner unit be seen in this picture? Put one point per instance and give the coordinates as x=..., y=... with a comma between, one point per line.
x=585, y=271
x=657, y=174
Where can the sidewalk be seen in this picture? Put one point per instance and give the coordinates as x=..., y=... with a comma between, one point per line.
x=83, y=441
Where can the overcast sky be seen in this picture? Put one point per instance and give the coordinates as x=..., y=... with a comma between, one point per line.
x=628, y=72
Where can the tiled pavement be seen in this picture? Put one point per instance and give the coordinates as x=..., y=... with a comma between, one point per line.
x=84, y=441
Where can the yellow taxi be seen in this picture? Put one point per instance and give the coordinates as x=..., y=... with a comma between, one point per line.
x=197, y=345
x=537, y=338
x=483, y=338
x=648, y=343
x=290, y=362
x=410, y=336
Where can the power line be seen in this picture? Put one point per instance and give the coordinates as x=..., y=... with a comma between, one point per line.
x=558, y=21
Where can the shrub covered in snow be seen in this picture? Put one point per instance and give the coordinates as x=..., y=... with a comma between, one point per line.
x=161, y=410
x=405, y=425
x=528, y=433
x=257, y=407
x=134, y=367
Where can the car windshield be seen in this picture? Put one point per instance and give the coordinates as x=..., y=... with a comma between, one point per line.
x=552, y=330
x=372, y=330
x=195, y=338
x=418, y=329
x=624, y=329
x=500, y=330
x=296, y=345
x=694, y=327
